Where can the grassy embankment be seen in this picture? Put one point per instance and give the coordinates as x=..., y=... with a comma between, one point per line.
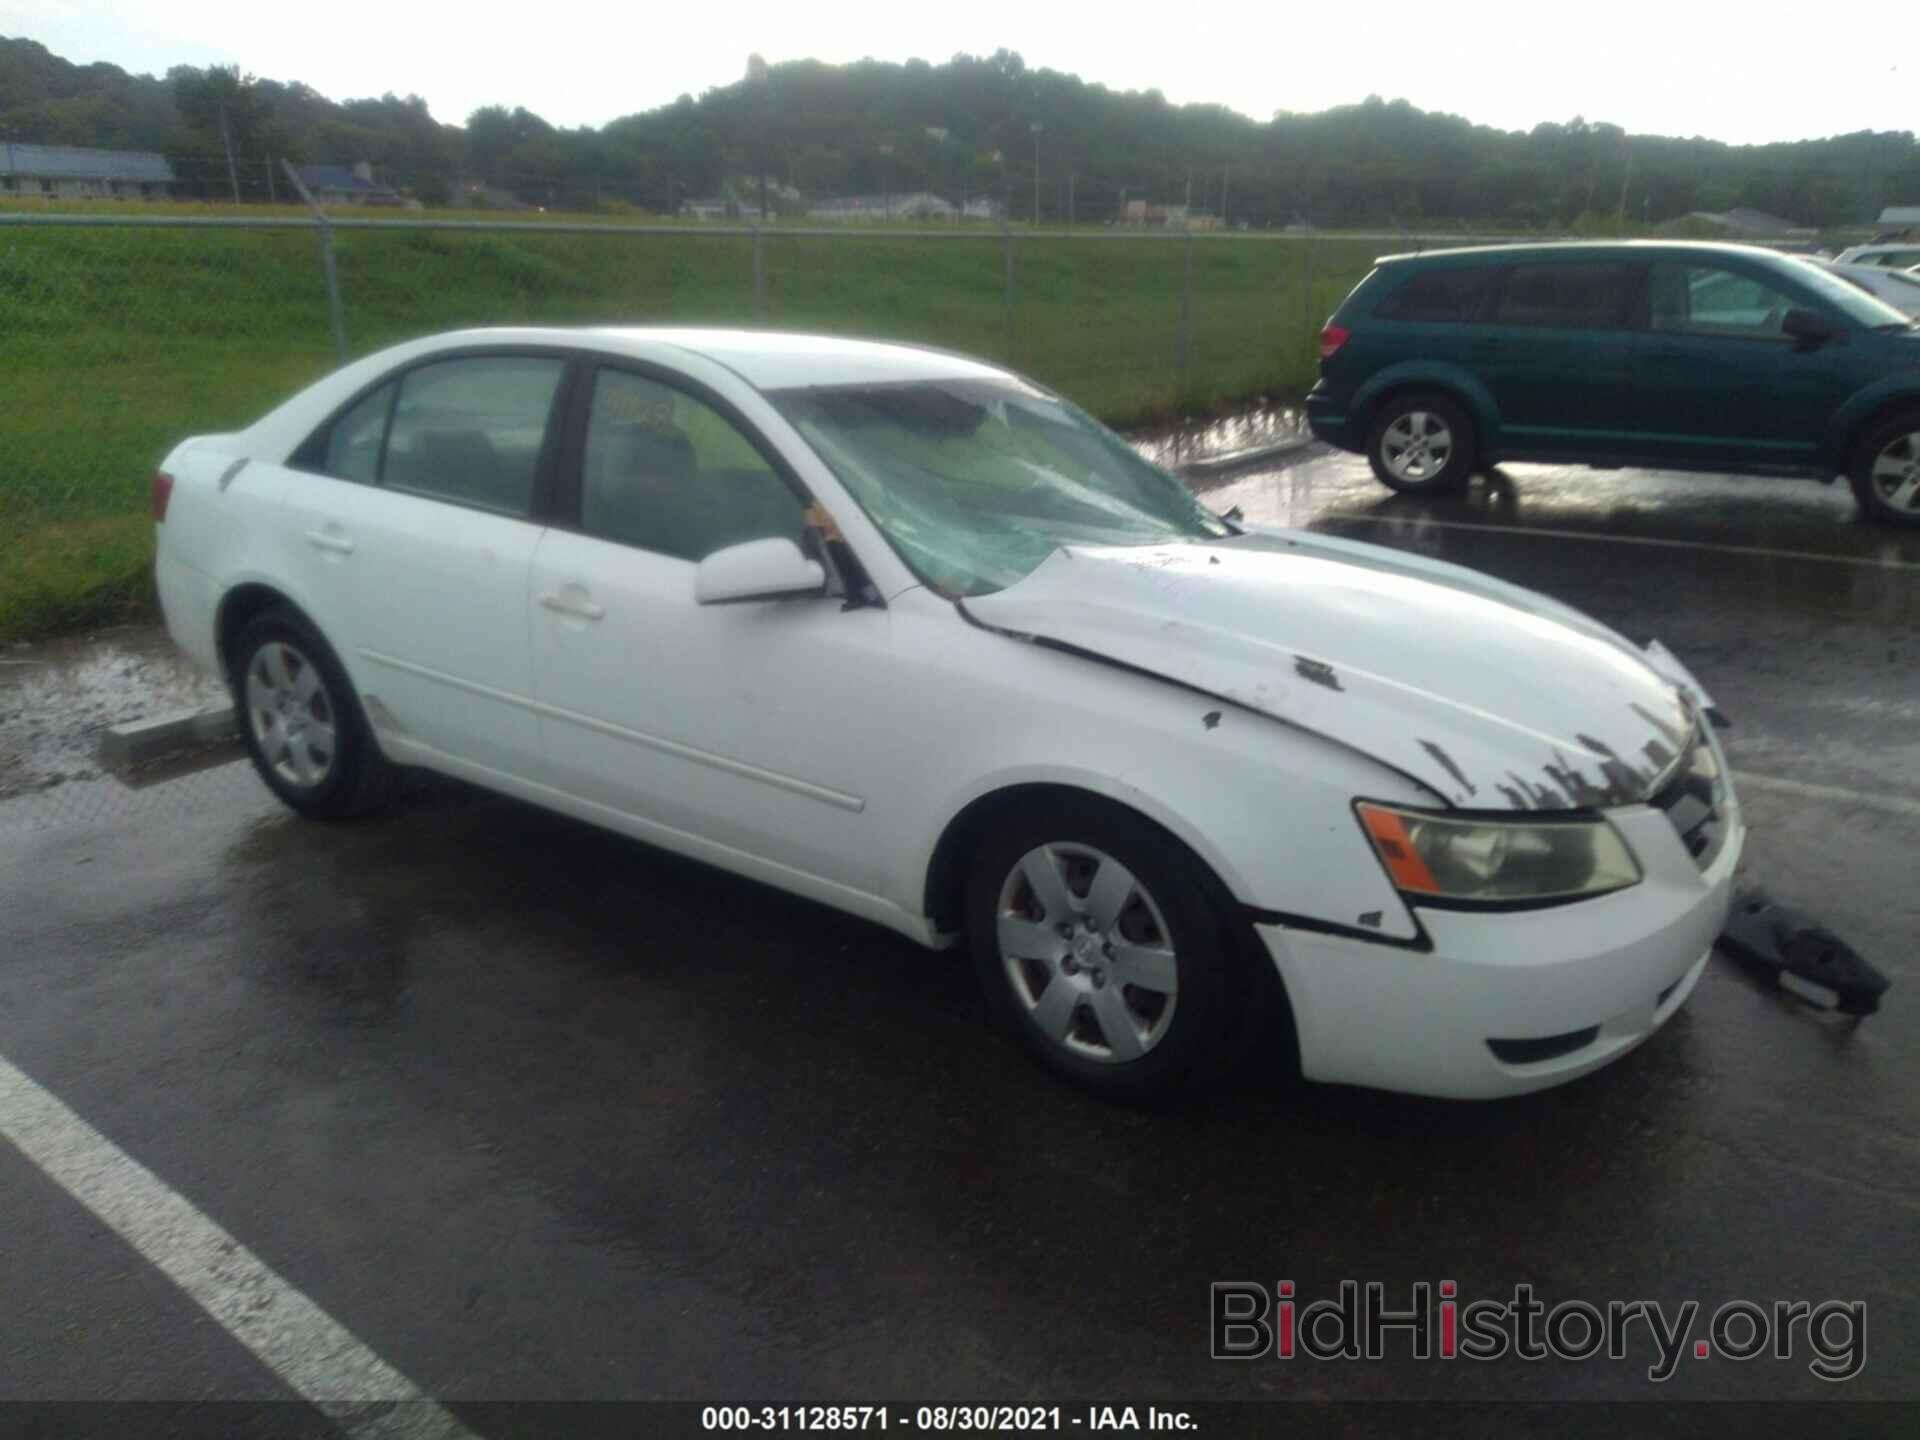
x=115, y=343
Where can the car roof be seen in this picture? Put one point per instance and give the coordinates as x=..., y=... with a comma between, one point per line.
x=775, y=359
x=1585, y=250
x=764, y=359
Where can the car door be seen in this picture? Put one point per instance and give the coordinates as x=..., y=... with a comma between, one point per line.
x=412, y=520
x=1556, y=354
x=1716, y=379
x=751, y=727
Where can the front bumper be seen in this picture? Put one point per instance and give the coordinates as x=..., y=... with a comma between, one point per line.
x=1574, y=985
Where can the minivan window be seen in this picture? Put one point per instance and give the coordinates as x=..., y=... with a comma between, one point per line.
x=1566, y=296
x=1710, y=300
x=1438, y=296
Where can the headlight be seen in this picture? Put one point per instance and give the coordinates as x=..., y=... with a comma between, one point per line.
x=1498, y=861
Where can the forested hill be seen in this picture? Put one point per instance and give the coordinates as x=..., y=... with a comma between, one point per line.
x=968, y=127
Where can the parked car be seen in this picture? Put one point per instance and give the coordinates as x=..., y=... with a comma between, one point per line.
x=908, y=635
x=1899, y=288
x=1896, y=257
x=1677, y=356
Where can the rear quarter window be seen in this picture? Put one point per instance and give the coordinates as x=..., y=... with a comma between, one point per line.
x=1438, y=296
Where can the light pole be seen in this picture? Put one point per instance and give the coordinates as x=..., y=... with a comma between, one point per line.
x=1037, y=127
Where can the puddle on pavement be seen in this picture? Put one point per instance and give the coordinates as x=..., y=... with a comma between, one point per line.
x=1171, y=446
x=56, y=698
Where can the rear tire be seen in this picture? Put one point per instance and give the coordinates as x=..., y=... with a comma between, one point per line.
x=1886, y=470
x=301, y=722
x=1421, y=443
x=1129, y=976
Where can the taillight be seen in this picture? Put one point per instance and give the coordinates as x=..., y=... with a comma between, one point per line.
x=1331, y=339
x=162, y=493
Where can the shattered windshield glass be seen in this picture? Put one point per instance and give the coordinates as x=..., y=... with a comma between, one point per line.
x=976, y=482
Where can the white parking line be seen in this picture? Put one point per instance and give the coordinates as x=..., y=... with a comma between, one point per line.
x=1892, y=804
x=293, y=1337
x=1872, y=562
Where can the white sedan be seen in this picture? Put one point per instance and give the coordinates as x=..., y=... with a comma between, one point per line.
x=911, y=636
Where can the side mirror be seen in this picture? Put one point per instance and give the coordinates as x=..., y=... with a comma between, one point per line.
x=770, y=569
x=1808, y=327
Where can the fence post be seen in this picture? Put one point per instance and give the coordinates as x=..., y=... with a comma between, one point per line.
x=1186, y=309
x=759, y=280
x=1306, y=297
x=1007, y=241
x=324, y=232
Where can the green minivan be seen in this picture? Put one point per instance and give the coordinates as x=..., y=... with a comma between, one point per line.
x=1674, y=356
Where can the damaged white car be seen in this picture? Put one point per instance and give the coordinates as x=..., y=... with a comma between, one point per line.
x=911, y=636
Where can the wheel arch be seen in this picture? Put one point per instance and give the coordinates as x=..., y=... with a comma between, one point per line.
x=1865, y=413
x=238, y=606
x=943, y=896
x=1456, y=384
x=1267, y=1002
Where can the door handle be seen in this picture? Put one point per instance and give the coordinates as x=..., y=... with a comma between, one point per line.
x=576, y=605
x=330, y=539
x=1666, y=353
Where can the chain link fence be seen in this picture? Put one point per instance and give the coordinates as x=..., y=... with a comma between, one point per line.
x=123, y=333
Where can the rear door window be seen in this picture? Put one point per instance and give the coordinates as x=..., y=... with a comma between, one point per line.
x=1566, y=296
x=354, y=440
x=1439, y=296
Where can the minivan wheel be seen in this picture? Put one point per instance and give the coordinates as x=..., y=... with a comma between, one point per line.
x=1106, y=949
x=1886, y=470
x=1421, y=444
x=300, y=721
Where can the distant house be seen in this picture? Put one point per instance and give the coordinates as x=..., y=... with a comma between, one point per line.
x=1897, y=222
x=1744, y=222
x=915, y=205
x=347, y=185
x=72, y=172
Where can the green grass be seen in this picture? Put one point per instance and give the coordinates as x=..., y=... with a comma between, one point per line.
x=115, y=343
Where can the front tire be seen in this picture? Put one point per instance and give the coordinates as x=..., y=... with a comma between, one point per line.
x=1886, y=470
x=1107, y=950
x=1421, y=444
x=302, y=725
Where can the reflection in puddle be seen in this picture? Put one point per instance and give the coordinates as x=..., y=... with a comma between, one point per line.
x=56, y=698
x=1171, y=446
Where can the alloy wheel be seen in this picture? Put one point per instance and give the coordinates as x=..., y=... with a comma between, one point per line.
x=1895, y=476
x=1417, y=445
x=291, y=714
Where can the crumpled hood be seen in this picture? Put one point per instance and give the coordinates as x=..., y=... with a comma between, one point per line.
x=1491, y=696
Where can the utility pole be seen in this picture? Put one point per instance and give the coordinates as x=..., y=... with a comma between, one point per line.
x=1069, y=199
x=1037, y=128
x=226, y=140
x=272, y=199
x=1226, y=173
x=1189, y=192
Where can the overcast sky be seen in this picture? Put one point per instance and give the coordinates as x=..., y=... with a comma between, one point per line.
x=1731, y=72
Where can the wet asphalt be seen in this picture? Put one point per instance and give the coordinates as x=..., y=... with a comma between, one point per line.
x=540, y=1114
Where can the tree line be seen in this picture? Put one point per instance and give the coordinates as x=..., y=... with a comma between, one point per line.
x=973, y=127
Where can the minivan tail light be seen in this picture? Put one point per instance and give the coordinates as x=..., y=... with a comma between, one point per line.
x=1331, y=339
x=162, y=493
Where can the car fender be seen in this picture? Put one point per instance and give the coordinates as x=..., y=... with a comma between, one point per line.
x=1266, y=805
x=1438, y=375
